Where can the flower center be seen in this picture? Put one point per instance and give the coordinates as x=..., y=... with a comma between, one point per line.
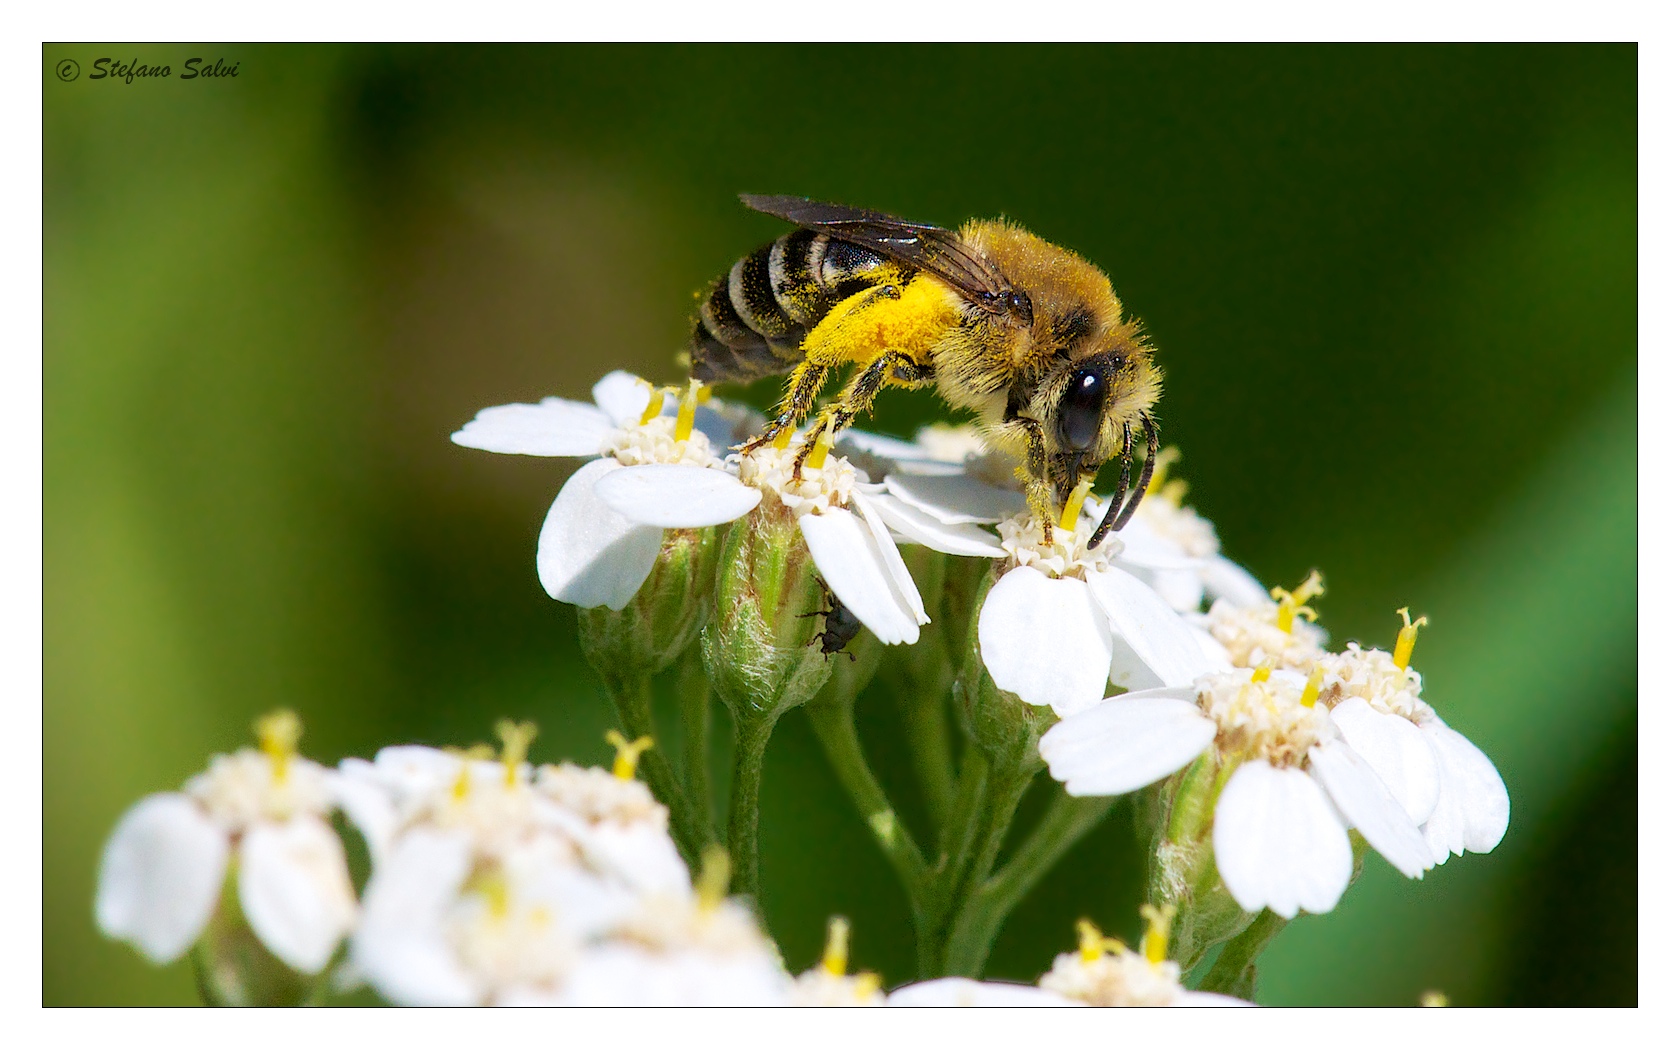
x=1274, y=634
x=278, y=734
x=819, y=485
x=1065, y=555
x=507, y=940
x=1293, y=604
x=663, y=439
x=1262, y=714
x=629, y=753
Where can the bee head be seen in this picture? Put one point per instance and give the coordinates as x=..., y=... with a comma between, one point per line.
x=1095, y=401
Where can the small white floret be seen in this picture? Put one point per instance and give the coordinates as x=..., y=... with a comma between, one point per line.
x=1126, y=742
x=1046, y=641
x=295, y=891
x=161, y=876
x=1278, y=842
x=676, y=496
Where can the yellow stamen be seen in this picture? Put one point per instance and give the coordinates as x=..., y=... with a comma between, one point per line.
x=516, y=742
x=1173, y=492
x=704, y=394
x=685, y=410
x=1294, y=603
x=1159, y=930
x=820, y=447
x=629, y=753
x=493, y=888
x=1158, y=480
x=1407, y=640
x=656, y=402
x=1434, y=998
x=1092, y=943
x=783, y=440
x=712, y=887
x=463, y=776
x=1263, y=672
x=1309, y=693
x=834, y=954
x=1076, y=503
x=277, y=734
x=866, y=984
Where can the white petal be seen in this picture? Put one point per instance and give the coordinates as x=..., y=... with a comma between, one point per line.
x=1359, y=793
x=1278, y=842
x=966, y=541
x=552, y=428
x=1226, y=579
x=368, y=804
x=623, y=398
x=725, y=423
x=1156, y=639
x=1124, y=743
x=955, y=499
x=1397, y=750
x=1148, y=549
x=160, y=876
x=295, y=890
x=960, y=991
x=589, y=554
x=1475, y=809
x=1045, y=641
x=402, y=945
x=882, y=445
x=1179, y=588
x=845, y=555
x=676, y=496
x=889, y=558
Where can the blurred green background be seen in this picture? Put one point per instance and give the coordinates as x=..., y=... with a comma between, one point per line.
x=1392, y=287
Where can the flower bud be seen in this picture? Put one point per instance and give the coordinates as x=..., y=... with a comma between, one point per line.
x=757, y=645
x=1182, y=872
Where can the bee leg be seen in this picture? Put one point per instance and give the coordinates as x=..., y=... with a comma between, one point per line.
x=857, y=398
x=1041, y=497
x=803, y=386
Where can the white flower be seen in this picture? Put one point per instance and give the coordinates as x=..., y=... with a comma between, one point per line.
x=1064, y=621
x=1445, y=782
x=1280, y=826
x=839, y=517
x=1104, y=972
x=162, y=871
x=828, y=984
x=697, y=949
x=1280, y=631
x=1176, y=551
x=444, y=925
x=960, y=991
x=618, y=827
x=588, y=554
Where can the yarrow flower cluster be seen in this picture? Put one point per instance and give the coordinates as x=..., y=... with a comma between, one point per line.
x=1147, y=661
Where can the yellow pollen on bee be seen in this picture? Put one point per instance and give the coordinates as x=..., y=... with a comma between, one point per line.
x=1407, y=639
x=1092, y=943
x=516, y=743
x=1158, y=932
x=1158, y=485
x=1075, y=503
x=278, y=733
x=1315, y=681
x=629, y=753
x=691, y=400
x=712, y=887
x=1294, y=603
x=834, y=952
x=656, y=402
x=820, y=447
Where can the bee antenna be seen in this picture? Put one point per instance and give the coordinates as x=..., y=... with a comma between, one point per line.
x=1116, y=518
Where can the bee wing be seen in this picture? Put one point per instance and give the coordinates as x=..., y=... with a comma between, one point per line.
x=931, y=248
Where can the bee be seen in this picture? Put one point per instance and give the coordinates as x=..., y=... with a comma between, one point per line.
x=1026, y=335
x=840, y=624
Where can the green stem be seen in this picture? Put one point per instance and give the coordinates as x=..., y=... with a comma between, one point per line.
x=928, y=729
x=837, y=732
x=956, y=846
x=1236, y=970
x=632, y=696
x=1065, y=823
x=967, y=946
x=752, y=735
x=695, y=702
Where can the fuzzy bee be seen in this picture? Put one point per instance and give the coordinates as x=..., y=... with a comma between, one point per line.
x=1026, y=335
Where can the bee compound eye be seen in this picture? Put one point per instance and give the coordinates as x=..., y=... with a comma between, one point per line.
x=1079, y=415
x=1021, y=306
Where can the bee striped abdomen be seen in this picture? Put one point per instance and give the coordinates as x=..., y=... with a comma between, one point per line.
x=754, y=320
